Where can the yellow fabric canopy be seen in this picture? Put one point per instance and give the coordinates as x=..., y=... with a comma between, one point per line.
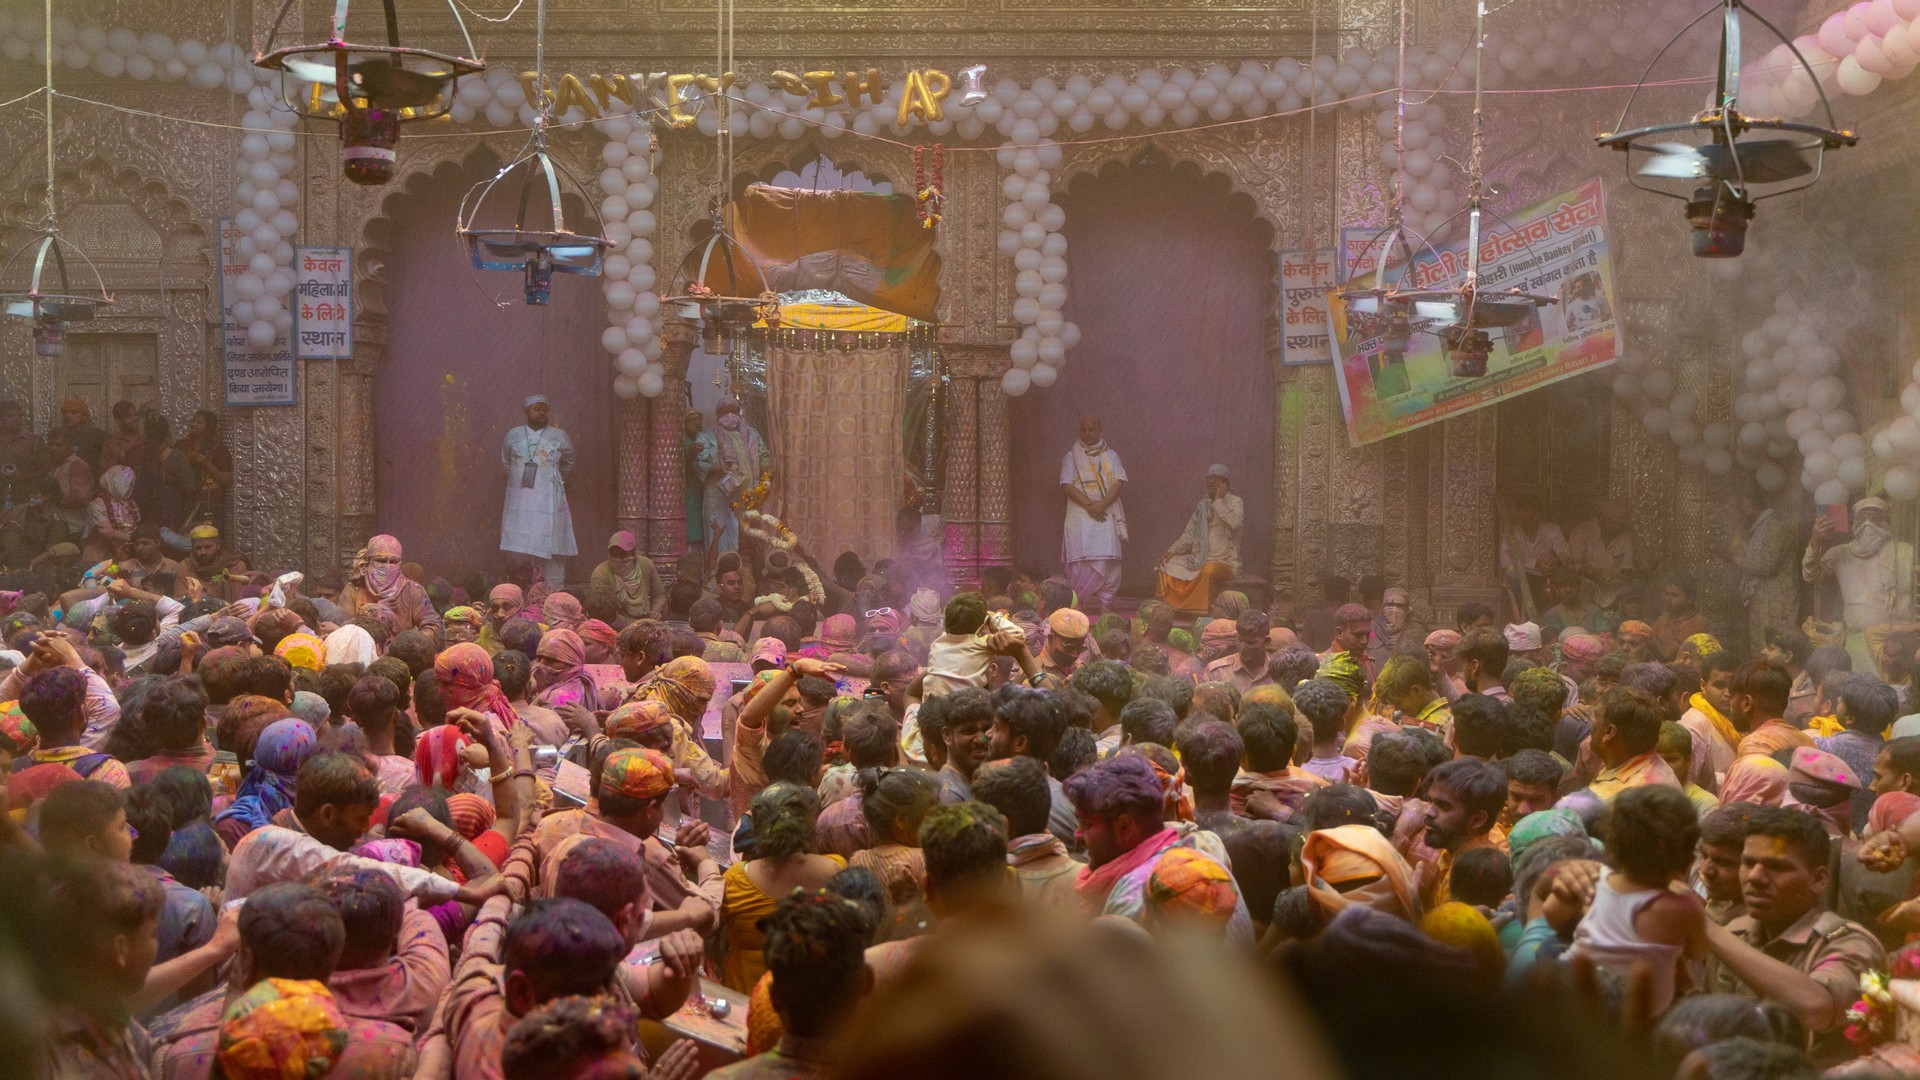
x=840, y=317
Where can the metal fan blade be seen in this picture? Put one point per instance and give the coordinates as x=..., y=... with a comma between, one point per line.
x=20, y=309
x=1762, y=161
x=1445, y=310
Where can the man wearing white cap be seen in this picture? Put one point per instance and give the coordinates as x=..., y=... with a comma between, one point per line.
x=535, y=520
x=1207, y=555
x=1875, y=573
x=1092, y=477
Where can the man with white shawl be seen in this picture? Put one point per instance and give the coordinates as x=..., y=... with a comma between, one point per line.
x=536, y=520
x=1092, y=477
x=734, y=461
x=1875, y=574
x=1207, y=555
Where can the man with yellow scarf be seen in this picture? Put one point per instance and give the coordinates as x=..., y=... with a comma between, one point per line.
x=1714, y=736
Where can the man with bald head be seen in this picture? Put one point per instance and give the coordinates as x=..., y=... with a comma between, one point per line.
x=1092, y=477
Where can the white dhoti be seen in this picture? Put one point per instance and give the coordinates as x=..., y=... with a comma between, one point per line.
x=1091, y=549
x=1094, y=579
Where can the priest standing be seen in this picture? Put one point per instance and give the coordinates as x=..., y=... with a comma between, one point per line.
x=1092, y=477
x=535, y=520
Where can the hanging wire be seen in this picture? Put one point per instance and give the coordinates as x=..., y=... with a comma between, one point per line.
x=47, y=50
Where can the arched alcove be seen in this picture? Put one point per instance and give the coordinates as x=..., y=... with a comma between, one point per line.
x=462, y=353
x=1172, y=288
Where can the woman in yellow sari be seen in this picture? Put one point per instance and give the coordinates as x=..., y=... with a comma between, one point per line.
x=782, y=861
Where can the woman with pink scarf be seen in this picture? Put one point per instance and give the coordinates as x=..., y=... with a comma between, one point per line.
x=560, y=673
x=378, y=586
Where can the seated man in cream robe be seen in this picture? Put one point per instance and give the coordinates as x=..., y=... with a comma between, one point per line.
x=1207, y=555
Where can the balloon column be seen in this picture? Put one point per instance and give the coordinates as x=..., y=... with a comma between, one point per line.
x=633, y=307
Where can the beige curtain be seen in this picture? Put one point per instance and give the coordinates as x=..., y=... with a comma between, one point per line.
x=834, y=420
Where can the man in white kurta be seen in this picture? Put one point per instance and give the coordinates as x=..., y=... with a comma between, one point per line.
x=1874, y=572
x=1092, y=477
x=536, y=520
x=1207, y=555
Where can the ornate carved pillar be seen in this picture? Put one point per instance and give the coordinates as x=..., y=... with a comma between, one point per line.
x=665, y=508
x=632, y=441
x=356, y=486
x=968, y=367
x=1461, y=513
x=996, y=477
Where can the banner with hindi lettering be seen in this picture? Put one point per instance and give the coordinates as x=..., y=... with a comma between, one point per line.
x=1305, y=278
x=248, y=377
x=1556, y=248
x=323, y=303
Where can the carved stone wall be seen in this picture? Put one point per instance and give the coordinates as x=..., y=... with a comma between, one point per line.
x=1420, y=508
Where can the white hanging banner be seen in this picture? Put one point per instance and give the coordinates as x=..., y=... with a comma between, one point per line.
x=323, y=303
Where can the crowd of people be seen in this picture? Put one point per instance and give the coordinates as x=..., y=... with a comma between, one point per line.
x=783, y=819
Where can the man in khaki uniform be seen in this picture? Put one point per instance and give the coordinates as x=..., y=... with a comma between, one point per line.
x=1788, y=947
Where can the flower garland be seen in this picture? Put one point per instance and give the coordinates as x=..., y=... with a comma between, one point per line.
x=1870, y=1020
x=774, y=533
x=746, y=499
x=930, y=191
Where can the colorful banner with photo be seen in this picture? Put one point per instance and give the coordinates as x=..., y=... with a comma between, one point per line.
x=1557, y=248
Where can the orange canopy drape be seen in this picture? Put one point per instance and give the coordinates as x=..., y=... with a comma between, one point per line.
x=864, y=245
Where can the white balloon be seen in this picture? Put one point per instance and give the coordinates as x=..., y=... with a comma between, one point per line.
x=1684, y=432
x=1717, y=435
x=242, y=312
x=1050, y=323
x=1820, y=466
x=1044, y=374
x=1656, y=420
x=1052, y=218
x=631, y=362
x=1849, y=445
x=1052, y=352
x=616, y=266
x=1719, y=462
x=1826, y=393
x=1838, y=422
x=1852, y=473
x=249, y=287
x=1830, y=492
x=626, y=387
x=260, y=335
x=1902, y=483
x=1753, y=436
x=620, y=294
x=1682, y=404
x=1851, y=77
x=1070, y=335
x=1025, y=310
x=1028, y=259
x=1015, y=382
x=1024, y=353
x=651, y=383
x=1027, y=283
x=614, y=339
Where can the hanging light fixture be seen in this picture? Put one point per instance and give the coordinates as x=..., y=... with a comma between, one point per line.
x=533, y=237
x=369, y=89
x=719, y=281
x=1713, y=146
x=1464, y=317
x=37, y=284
